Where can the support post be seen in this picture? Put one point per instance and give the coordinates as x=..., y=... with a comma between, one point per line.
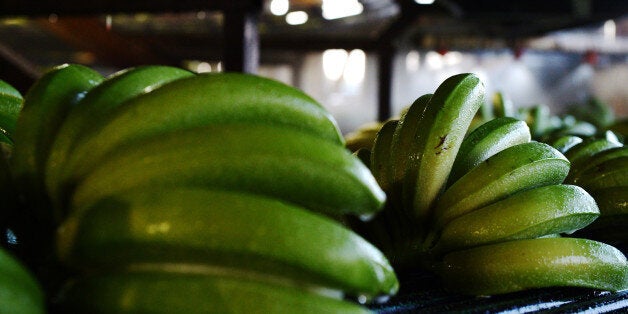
x=241, y=41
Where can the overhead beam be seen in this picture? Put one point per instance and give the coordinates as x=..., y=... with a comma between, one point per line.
x=91, y=7
x=92, y=35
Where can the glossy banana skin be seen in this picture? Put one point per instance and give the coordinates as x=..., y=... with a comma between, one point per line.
x=112, y=92
x=45, y=107
x=168, y=292
x=443, y=125
x=11, y=101
x=261, y=159
x=224, y=229
x=197, y=101
x=21, y=293
x=534, y=213
x=514, y=169
x=535, y=263
x=487, y=140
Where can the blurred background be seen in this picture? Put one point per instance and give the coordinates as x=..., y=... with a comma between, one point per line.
x=364, y=60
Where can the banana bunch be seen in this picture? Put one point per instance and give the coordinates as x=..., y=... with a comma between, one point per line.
x=20, y=292
x=10, y=105
x=170, y=191
x=600, y=166
x=486, y=210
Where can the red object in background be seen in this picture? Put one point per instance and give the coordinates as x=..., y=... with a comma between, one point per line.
x=518, y=52
x=591, y=57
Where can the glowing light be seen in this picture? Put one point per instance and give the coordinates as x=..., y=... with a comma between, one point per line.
x=424, y=2
x=434, y=60
x=610, y=30
x=203, y=67
x=413, y=60
x=335, y=9
x=334, y=63
x=355, y=67
x=296, y=18
x=452, y=58
x=279, y=7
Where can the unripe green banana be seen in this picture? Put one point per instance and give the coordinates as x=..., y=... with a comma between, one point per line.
x=404, y=137
x=45, y=107
x=217, y=98
x=364, y=154
x=381, y=163
x=167, y=292
x=538, y=120
x=517, y=168
x=265, y=159
x=487, y=140
x=612, y=201
x=579, y=154
x=528, y=214
x=610, y=227
x=502, y=106
x=112, y=92
x=10, y=105
x=594, y=161
x=443, y=125
x=566, y=142
x=21, y=293
x=223, y=229
x=363, y=137
x=610, y=173
x=536, y=263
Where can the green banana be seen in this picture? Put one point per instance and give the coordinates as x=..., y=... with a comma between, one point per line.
x=403, y=138
x=10, y=105
x=363, y=137
x=167, y=292
x=45, y=107
x=612, y=172
x=612, y=201
x=295, y=166
x=528, y=214
x=224, y=229
x=580, y=153
x=487, y=140
x=514, y=169
x=566, y=142
x=538, y=120
x=115, y=90
x=535, y=263
x=204, y=99
x=21, y=293
x=502, y=107
x=443, y=125
x=595, y=160
x=380, y=154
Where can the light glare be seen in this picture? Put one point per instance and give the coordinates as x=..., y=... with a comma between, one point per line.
x=334, y=63
x=296, y=18
x=355, y=67
x=424, y=2
x=335, y=9
x=279, y=7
